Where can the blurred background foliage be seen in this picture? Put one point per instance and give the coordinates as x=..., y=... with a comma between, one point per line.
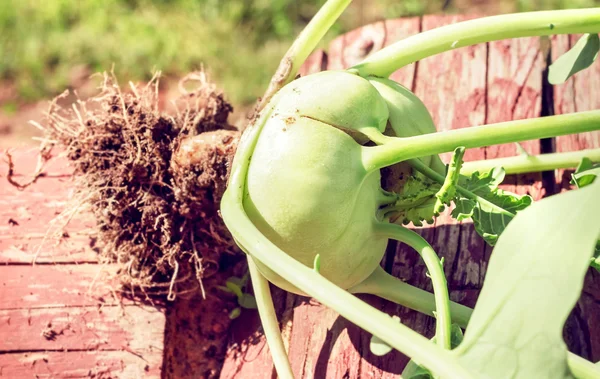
x=49, y=45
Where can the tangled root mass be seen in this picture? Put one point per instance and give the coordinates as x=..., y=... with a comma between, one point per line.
x=153, y=181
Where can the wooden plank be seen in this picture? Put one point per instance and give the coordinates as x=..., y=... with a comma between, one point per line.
x=30, y=226
x=396, y=30
x=514, y=80
x=248, y=355
x=514, y=87
x=81, y=364
x=453, y=85
x=352, y=47
x=316, y=62
x=24, y=248
x=137, y=328
x=579, y=93
x=43, y=286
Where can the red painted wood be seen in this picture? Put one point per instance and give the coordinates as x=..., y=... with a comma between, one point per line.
x=82, y=328
x=314, y=63
x=514, y=87
x=80, y=364
x=30, y=226
x=66, y=320
x=42, y=286
x=579, y=93
x=514, y=92
x=396, y=30
x=453, y=85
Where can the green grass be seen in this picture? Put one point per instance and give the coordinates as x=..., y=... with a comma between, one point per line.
x=239, y=42
x=42, y=41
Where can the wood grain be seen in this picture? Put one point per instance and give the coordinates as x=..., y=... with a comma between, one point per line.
x=43, y=286
x=79, y=364
x=64, y=317
x=579, y=93
x=82, y=328
x=33, y=222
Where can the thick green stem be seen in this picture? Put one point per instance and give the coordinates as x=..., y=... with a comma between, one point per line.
x=582, y=368
x=304, y=44
x=264, y=302
x=384, y=285
x=396, y=150
x=532, y=163
x=436, y=272
x=467, y=33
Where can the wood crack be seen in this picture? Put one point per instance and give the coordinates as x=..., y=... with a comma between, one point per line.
x=524, y=84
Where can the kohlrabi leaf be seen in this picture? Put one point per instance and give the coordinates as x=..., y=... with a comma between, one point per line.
x=416, y=201
x=379, y=347
x=494, y=209
x=414, y=371
x=235, y=313
x=422, y=199
x=234, y=287
x=534, y=278
x=247, y=301
x=580, y=57
x=586, y=173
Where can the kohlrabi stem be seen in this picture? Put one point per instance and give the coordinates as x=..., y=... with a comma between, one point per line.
x=582, y=368
x=264, y=303
x=307, y=280
x=532, y=163
x=466, y=33
x=396, y=149
x=436, y=273
x=304, y=44
x=384, y=285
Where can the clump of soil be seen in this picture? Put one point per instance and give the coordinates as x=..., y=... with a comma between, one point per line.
x=153, y=181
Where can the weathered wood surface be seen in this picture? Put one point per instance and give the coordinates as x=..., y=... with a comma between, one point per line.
x=62, y=317
x=488, y=83
x=580, y=93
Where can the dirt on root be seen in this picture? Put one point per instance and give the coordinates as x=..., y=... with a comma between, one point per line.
x=154, y=182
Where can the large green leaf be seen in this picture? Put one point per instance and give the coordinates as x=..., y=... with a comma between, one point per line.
x=534, y=278
x=580, y=57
